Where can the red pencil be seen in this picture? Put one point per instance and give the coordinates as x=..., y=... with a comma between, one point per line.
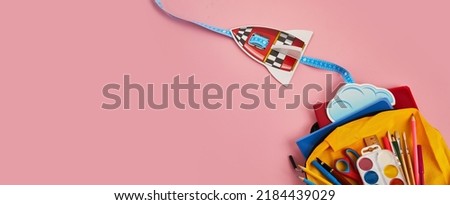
x=386, y=143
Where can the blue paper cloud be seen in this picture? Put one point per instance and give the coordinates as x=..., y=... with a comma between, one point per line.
x=352, y=97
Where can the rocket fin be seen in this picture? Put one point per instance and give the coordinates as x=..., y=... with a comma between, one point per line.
x=293, y=51
x=282, y=76
x=303, y=35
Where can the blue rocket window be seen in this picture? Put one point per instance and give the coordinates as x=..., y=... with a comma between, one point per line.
x=260, y=42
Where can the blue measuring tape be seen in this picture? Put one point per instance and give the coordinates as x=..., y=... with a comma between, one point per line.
x=325, y=65
x=309, y=61
x=222, y=31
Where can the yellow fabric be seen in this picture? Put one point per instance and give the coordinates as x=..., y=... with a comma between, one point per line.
x=436, y=155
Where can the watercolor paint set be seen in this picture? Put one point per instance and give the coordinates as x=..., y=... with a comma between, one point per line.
x=379, y=167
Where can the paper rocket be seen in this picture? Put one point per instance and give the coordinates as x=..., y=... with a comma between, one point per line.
x=279, y=51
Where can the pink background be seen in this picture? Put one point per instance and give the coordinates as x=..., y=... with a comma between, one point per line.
x=55, y=57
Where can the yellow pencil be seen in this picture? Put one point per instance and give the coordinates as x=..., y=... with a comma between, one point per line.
x=402, y=156
x=321, y=179
x=409, y=161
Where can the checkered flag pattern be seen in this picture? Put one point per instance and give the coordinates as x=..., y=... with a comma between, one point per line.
x=275, y=59
x=242, y=35
x=285, y=39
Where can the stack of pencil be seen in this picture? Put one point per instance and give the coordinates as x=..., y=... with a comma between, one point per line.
x=412, y=166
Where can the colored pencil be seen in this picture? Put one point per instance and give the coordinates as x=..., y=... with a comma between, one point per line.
x=307, y=181
x=402, y=156
x=414, y=146
x=397, y=157
x=319, y=178
x=409, y=164
x=386, y=143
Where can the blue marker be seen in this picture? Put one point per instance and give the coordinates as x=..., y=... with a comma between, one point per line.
x=325, y=173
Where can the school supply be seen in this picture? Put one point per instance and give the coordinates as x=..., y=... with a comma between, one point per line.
x=421, y=167
x=306, y=181
x=409, y=164
x=414, y=145
x=325, y=173
x=371, y=140
x=293, y=163
x=333, y=172
x=392, y=144
x=320, y=179
x=396, y=147
x=347, y=165
x=386, y=143
x=379, y=167
x=402, y=158
x=435, y=153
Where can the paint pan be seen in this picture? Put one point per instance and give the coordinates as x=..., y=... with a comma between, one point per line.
x=379, y=167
